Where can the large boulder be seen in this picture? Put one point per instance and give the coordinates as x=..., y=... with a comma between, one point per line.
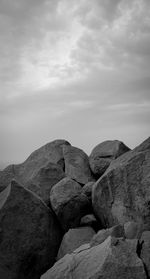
x=145, y=251
x=114, y=258
x=44, y=179
x=69, y=203
x=27, y=172
x=77, y=165
x=103, y=154
x=73, y=239
x=29, y=234
x=122, y=194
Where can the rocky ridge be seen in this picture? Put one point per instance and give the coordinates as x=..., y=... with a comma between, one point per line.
x=66, y=215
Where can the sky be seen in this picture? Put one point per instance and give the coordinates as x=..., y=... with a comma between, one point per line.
x=73, y=69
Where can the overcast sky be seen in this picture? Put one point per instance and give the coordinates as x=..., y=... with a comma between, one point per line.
x=73, y=69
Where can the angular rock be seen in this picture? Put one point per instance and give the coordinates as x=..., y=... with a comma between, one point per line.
x=73, y=239
x=44, y=179
x=87, y=189
x=101, y=236
x=69, y=203
x=103, y=154
x=29, y=234
x=122, y=194
x=145, y=251
x=77, y=165
x=114, y=258
x=22, y=173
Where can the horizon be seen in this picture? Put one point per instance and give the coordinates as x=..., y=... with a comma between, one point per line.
x=77, y=70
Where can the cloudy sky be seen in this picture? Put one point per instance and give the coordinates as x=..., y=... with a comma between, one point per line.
x=73, y=69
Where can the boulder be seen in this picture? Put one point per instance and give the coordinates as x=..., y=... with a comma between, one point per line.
x=122, y=194
x=69, y=203
x=44, y=179
x=73, y=239
x=145, y=251
x=114, y=258
x=22, y=173
x=101, y=236
x=29, y=234
x=103, y=154
x=90, y=220
x=87, y=189
x=77, y=165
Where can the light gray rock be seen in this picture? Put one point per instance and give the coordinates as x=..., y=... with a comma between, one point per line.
x=101, y=236
x=77, y=165
x=69, y=203
x=103, y=154
x=29, y=234
x=122, y=194
x=73, y=239
x=145, y=251
x=90, y=220
x=114, y=258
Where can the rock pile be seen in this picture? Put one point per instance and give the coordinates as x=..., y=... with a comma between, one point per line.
x=66, y=215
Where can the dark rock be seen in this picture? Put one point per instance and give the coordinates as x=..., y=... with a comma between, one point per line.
x=90, y=221
x=103, y=154
x=122, y=194
x=29, y=234
x=87, y=190
x=77, y=165
x=114, y=258
x=69, y=203
x=73, y=239
x=145, y=251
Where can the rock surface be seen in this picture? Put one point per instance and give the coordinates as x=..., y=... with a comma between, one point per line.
x=145, y=252
x=103, y=154
x=101, y=236
x=69, y=203
x=77, y=165
x=122, y=194
x=114, y=258
x=44, y=179
x=22, y=173
x=87, y=190
x=133, y=230
x=90, y=220
x=29, y=234
x=73, y=239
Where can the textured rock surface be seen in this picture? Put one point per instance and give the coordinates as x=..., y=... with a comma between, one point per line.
x=69, y=203
x=29, y=234
x=87, y=190
x=103, y=154
x=101, y=236
x=122, y=194
x=73, y=239
x=49, y=153
x=145, y=252
x=44, y=179
x=133, y=230
x=77, y=165
x=114, y=258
